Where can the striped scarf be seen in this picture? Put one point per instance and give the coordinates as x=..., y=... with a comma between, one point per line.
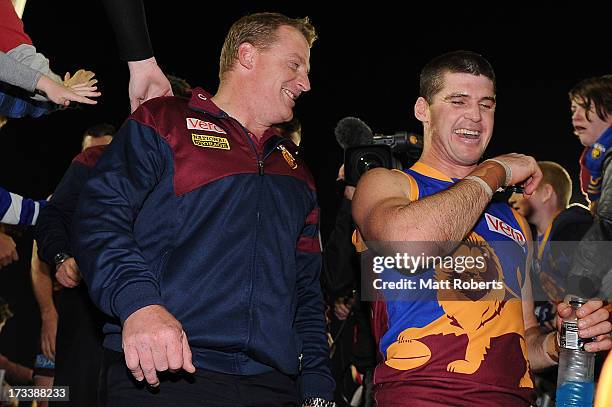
x=591, y=165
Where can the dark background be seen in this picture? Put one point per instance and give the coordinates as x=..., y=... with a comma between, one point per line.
x=365, y=64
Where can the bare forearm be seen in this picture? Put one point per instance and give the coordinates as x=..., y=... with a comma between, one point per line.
x=541, y=348
x=15, y=373
x=428, y=219
x=43, y=287
x=446, y=216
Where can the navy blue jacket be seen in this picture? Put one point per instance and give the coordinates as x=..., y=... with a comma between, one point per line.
x=54, y=223
x=187, y=210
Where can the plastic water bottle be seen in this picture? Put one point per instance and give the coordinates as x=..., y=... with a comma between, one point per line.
x=575, y=386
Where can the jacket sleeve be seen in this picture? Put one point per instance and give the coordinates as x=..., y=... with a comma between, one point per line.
x=15, y=73
x=17, y=210
x=27, y=55
x=16, y=103
x=594, y=254
x=315, y=379
x=109, y=258
x=54, y=223
x=130, y=26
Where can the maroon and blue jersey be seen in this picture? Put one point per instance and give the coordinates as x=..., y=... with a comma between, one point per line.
x=52, y=231
x=456, y=346
x=189, y=210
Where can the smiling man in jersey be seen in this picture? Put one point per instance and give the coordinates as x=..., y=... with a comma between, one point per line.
x=459, y=347
x=198, y=236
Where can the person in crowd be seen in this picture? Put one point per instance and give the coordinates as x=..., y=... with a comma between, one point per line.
x=44, y=287
x=353, y=347
x=24, y=67
x=14, y=373
x=292, y=130
x=591, y=106
x=556, y=227
x=78, y=323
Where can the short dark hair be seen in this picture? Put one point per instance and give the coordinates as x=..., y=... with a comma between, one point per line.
x=259, y=29
x=180, y=87
x=291, y=130
x=5, y=312
x=594, y=91
x=432, y=74
x=292, y=126
x=99, y=130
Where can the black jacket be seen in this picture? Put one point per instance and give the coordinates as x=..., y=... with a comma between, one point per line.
x=341, y=269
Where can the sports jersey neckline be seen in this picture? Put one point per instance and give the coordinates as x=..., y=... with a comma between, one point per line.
x=431, y=172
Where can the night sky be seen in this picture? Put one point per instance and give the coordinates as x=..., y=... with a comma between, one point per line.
x=365, y=64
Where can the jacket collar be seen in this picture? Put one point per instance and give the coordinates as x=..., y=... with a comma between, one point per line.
x=201, y=101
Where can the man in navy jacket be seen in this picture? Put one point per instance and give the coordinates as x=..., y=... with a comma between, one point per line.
x=198, y=233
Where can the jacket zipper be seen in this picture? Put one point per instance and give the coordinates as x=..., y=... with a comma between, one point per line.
x=260, y=171
x=260, y=162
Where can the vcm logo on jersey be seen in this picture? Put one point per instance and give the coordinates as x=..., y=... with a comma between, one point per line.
x=197, y=124
x=499, y=226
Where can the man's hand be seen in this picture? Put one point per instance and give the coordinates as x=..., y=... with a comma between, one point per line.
x=592, y=323
x=342, y=307
x=340, y=173
x=154, y=341
x=4, y=391
x=525, y=170
x=147, y=81
x=68, y=273
x=8, y=250
x=48, y=333
x=349, y=191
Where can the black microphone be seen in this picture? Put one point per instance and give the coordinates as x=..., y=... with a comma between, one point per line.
x=352, y=131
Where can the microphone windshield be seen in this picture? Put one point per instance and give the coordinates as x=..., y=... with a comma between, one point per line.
x=352, y=131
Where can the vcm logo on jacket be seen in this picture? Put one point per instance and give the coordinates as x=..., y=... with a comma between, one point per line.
x=197, y=124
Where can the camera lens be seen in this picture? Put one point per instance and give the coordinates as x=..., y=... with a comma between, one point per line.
x=360, y=159
x=369, y=161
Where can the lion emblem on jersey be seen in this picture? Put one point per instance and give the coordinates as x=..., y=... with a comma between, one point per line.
x=480, y=314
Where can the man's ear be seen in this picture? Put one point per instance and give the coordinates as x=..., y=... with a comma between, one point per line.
x=246, y=54
x=421, y=110
x=548, y=192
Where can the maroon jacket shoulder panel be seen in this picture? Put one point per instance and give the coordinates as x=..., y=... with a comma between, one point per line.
x=89, y=157
x=207, y=145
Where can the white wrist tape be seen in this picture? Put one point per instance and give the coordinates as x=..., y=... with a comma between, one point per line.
x=506, y=168
x=482, y=183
